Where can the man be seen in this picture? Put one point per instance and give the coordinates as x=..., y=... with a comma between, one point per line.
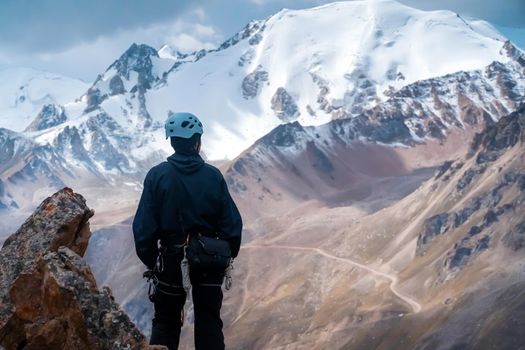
x=181, y=197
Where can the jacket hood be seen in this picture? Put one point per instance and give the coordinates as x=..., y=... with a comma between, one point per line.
x=186, y=163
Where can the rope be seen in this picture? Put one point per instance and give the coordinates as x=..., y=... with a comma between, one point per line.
x=185, y=268
x=152, y=281
x=228, y=276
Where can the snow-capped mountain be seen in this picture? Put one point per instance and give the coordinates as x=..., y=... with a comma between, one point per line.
x=360, y=70
x=308, y=65
x=25, y=91
x=317, y=64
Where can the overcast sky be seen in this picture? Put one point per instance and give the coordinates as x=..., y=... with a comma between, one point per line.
x=81, y=38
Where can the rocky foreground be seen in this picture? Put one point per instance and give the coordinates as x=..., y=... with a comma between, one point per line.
x=48, y=296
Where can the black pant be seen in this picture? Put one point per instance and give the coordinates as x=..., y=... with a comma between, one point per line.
x=168, y=319
x=207, y=302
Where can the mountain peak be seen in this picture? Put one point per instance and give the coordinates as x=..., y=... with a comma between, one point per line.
x=136, y=70
x=136, y=58
x=51, y=115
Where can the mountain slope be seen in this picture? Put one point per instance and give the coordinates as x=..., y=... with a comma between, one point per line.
x=25, y=91
x=435, y=118
x=455, y=245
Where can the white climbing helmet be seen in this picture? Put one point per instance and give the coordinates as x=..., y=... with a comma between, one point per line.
x=183, y=125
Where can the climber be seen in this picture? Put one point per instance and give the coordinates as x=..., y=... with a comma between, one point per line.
x=184, y=201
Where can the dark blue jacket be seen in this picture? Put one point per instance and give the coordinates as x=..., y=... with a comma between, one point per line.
x=206, y=207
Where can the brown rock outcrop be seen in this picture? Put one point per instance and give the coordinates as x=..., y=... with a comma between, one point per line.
x=48, y=295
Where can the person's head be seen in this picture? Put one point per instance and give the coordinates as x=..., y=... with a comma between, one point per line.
x=185, y=131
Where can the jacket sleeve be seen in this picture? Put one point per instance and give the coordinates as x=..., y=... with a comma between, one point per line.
x=230, y=222
x=145, y=225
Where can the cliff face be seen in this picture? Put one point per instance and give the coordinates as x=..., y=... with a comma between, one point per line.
x=48, y=295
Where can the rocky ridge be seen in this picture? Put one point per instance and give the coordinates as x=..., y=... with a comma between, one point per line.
x=49, y=297
x=50, y=115
x=418, y=113
x=497, y=204
x=486, y=148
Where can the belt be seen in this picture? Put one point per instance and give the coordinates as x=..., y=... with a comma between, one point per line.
x=170, y=239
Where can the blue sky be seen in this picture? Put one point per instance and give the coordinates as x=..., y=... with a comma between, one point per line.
x=81, y=38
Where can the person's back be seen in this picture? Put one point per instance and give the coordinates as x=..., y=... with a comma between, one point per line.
x=184, y=197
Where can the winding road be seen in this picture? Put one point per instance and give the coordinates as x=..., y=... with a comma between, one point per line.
x=414, y=305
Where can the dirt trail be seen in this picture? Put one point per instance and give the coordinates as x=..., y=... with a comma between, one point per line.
x=414, y=305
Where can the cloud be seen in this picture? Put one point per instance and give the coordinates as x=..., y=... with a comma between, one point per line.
x=259, y=2
x=87, y=59
x=200, y=13
x=52, y=25
x=186, y=43
x=516, y=35
x=204, y=30
x=291, y=3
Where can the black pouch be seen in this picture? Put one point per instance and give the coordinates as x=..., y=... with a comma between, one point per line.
x=208, y=253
